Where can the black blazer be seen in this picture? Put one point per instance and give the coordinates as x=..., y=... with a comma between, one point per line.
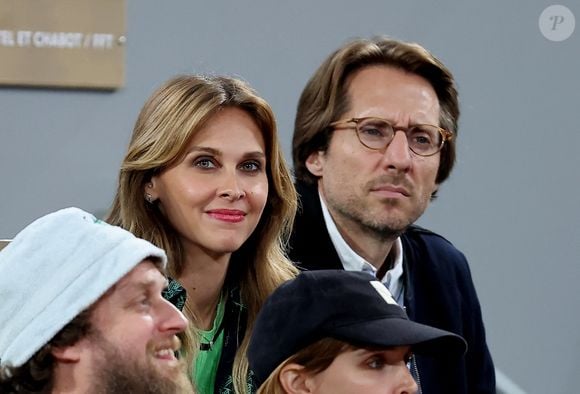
x=439, y=292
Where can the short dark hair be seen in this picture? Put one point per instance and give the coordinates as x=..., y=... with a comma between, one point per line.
x=37, y=374
x=325, y=98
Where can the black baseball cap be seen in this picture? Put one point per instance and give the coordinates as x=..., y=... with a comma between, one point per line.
x=353, y=307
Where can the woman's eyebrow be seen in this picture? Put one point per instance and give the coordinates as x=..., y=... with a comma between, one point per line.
x=207, y=149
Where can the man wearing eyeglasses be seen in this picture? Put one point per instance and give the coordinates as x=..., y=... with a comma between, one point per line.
x=374, y=138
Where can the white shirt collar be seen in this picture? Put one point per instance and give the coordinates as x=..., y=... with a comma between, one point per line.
x=351, y=261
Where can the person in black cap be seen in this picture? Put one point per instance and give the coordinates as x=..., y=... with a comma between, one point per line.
x=335, y=332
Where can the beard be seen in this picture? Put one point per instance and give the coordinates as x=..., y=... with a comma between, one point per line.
x=373, y=220
x=376, y=229
x=360, y=219
x=116, y=373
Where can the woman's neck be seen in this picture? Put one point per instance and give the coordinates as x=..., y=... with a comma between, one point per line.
x=203, y=278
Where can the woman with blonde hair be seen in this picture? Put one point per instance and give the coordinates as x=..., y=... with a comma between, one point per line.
x=204, y=178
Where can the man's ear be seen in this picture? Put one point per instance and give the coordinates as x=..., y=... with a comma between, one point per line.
x=315, y=163
x=68, y=354
x=294, y=379
x=434, y=192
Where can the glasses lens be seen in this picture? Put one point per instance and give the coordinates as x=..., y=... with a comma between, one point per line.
x=424, y=139
x=375, y=133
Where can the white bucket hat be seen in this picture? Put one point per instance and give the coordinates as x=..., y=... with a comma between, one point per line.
x=56, y=268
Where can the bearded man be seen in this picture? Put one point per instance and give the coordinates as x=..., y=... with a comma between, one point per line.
x=82, y=311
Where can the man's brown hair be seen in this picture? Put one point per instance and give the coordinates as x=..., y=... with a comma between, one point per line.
x=325, y=98
x=37, y=374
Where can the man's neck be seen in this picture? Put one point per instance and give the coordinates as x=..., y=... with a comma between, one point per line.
x=364, y=242
x=69, y=379
x=372, y=249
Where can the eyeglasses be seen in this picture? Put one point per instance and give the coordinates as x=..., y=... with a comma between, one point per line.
x=377, y=134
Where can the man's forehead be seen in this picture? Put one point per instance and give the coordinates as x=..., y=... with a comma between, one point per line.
x=383, y=91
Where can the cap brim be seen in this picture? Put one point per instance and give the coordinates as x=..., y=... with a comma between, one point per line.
x=391, y=331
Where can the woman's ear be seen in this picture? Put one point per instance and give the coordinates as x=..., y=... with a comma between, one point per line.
x=294, y=379
x=150, y=192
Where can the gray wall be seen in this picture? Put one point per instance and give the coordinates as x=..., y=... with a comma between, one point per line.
x=511, y=205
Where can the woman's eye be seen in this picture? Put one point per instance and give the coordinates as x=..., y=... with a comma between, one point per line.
x=251, y=166
x=376, y=363
x=204, y=163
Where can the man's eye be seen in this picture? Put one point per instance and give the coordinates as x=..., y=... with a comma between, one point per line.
x=372, y=131
x=422, y=140
x=422, y=136
x=144, y=302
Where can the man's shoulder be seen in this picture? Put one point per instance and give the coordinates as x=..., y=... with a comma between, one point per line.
x=307, y=193
x=309, y=221
x=436, y=266
x=310, y=246
x=416, y=232
x=423, y=245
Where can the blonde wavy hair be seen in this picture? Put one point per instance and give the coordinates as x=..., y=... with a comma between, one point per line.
x=169, y=119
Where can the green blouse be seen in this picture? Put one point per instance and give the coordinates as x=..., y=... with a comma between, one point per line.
x=207, y=361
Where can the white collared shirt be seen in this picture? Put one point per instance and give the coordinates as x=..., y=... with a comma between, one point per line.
x=351, y=261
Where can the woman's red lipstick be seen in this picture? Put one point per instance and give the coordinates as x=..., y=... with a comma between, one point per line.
x=227, y=215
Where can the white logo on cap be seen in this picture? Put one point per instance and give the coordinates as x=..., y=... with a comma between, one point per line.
x=383, y=292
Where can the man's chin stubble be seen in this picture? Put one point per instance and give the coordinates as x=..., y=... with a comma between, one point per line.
x=116, y=373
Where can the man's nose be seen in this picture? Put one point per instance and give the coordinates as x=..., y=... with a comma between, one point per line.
x=172, y=319
x=397, y=155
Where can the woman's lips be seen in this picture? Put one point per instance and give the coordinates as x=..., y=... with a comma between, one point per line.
x=227, y=215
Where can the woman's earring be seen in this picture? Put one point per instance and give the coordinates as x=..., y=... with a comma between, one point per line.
x=149, y=198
